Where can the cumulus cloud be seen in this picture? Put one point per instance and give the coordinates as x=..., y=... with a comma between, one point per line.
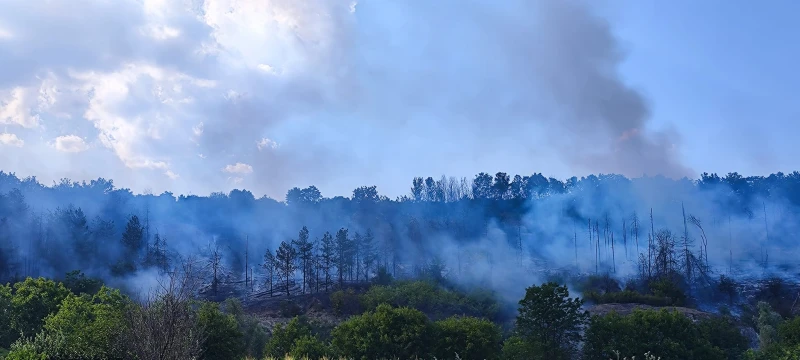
x=18, y=108
x=238, y=168
x=346, y=86
x=11, y=140
x=266, y=143
x=70, y=144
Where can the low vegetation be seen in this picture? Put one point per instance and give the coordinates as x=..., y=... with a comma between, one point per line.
x=79, y=319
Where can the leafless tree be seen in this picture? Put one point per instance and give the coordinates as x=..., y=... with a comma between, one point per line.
x=164, y=326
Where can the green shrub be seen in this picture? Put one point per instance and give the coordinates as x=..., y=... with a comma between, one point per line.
x=789, y=332
x=386, y=332
x=432, y=299
x=284, y=336
x=254, y=335
x=515, y=348
x=382, y=277
x=309, y=347
x=669, y=334
x=289, y=308
x=668, y=288
x=32, y=301
x=466, y=336
x=345, y=302
x=24, y=350
x=550, y=318
x=223, y=339
x=86, y=327
x=7, y=334
x=723, y=334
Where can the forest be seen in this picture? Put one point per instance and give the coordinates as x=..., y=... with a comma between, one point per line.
x=450, y=247
x=480, y=230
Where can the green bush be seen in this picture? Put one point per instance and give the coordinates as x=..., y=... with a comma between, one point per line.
x=789, y=332
x=669, y=334
x=7, y=333
x=515, y=348
x=431, y=299
x=24, y=350
x=309, y=347
x=466, y=336
x=382, y=277
x=289, y=308
x=86, y=327
x=386, y=332
x=550, y=318
x=32, y=301
x=668, y=288
x=223, y=339
x=723, y=334
x=284, y=336
x=345, y=302
x=254, y=335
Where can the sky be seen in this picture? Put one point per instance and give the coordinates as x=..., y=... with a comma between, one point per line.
x=196, y=96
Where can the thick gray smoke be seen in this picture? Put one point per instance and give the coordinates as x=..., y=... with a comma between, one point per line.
x=322, y=92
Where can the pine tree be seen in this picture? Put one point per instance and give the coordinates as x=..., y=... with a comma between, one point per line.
x=327, y=257
x=285, y=261
x=342, y=254
x=132, y=242
x=356, y=254
x=305, y=254
x=133, y=236
x=368, y=253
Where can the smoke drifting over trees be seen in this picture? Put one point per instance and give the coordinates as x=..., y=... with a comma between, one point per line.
x=490, y=230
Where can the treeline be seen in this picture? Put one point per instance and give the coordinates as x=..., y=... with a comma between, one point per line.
x=110, y=232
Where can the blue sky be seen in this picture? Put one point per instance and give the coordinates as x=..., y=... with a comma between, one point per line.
x=209, y=95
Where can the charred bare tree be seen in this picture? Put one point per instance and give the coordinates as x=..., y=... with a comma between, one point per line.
x=703, y=239
x=625, y=238
x=269, y=267
x=613, y=254
x=165, y=326
x=650, y=240
x=597, y=247
x=687, y=255
x=635, y=230
x=665, y=262
x=214, y=263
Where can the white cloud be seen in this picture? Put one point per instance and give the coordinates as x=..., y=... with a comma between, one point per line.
x=16, y=108
x=70, y=143
x=162, y=32
x=266, y=143
x=235, y=180
x=198, y=129
x=238, y=168
x=11, y=140
x=171, y=174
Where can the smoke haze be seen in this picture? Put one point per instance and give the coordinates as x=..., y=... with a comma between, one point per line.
x=310, y=92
